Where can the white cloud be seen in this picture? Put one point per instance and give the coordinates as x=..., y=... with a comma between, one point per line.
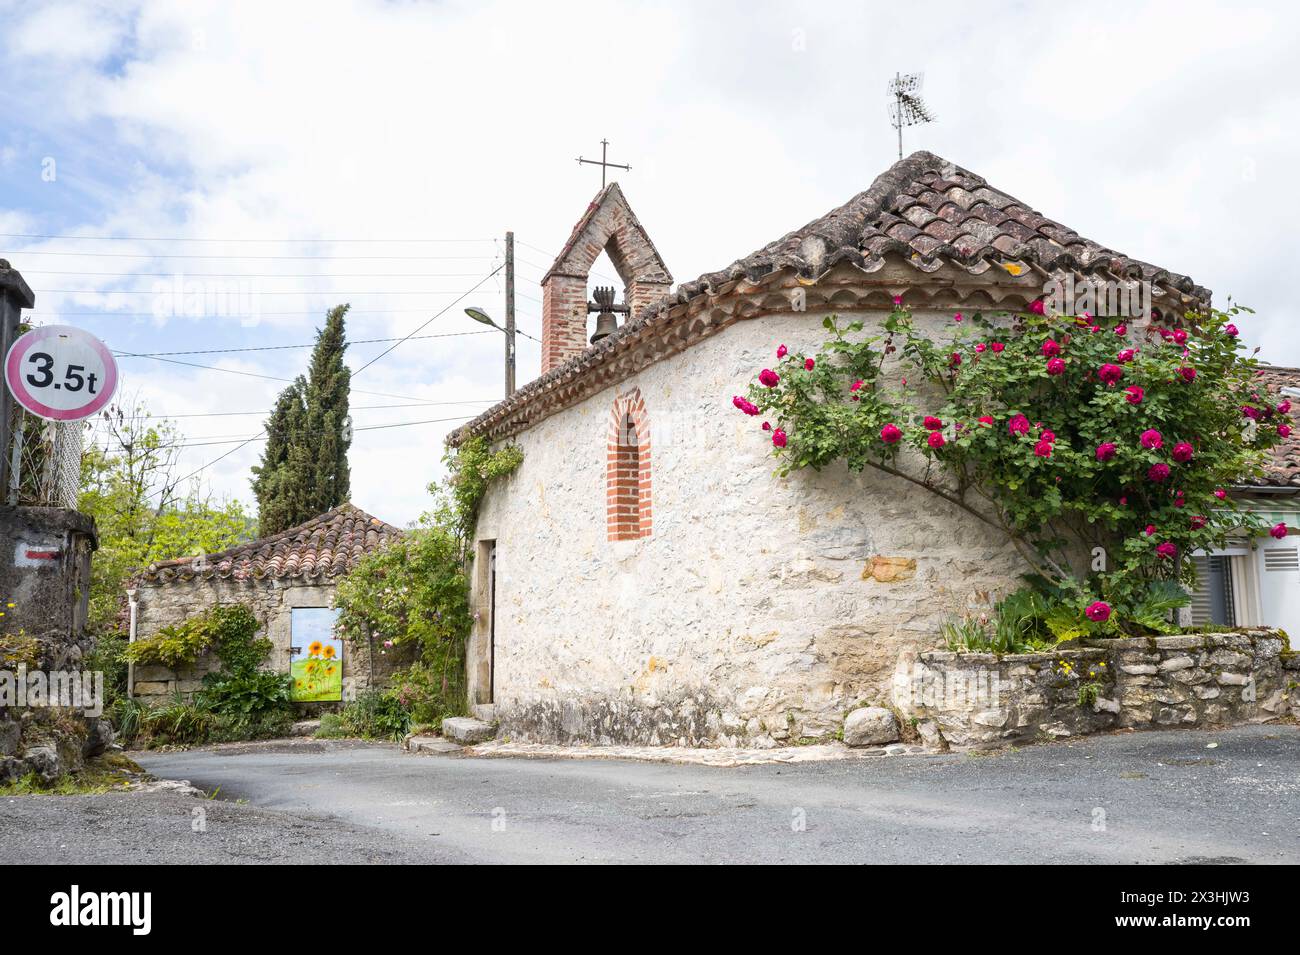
x=1161, y=131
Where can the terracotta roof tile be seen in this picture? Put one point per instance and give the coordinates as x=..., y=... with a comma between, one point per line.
x=325, y=546
x=941, y=200
x=1284, y=468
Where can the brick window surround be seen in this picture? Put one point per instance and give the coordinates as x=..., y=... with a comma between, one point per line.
x=627, y=469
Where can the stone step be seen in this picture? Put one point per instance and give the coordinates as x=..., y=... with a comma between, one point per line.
x=430, y=745
x=466, y=730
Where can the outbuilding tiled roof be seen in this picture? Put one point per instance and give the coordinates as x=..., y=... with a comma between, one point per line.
x=923, y=209
x=1284, y=468
x=325, y=546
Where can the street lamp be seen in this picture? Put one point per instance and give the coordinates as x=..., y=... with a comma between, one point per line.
x=483, y=318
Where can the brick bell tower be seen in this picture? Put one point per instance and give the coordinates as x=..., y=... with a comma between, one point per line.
x=608, y=225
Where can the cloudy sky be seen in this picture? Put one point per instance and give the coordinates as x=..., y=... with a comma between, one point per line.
x=305, y=154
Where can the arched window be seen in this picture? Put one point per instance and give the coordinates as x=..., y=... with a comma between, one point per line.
x=627, y=496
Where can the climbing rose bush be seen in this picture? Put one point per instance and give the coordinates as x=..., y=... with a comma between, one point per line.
x=1066, y=434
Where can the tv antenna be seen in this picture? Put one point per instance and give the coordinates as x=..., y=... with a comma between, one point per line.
x=907, y=108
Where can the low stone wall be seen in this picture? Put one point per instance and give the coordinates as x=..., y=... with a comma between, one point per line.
x=979, y=700
x=365, y=664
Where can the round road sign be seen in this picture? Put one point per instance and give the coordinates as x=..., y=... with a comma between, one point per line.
x=61, y=373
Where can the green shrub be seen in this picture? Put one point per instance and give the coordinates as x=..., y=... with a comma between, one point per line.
x=108, y=657
x=374, y=714
x=249, y=695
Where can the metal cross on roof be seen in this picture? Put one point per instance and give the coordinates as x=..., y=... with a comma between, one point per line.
x=603, y=162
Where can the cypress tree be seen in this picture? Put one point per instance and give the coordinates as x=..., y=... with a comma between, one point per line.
x=326, y=402
x=304, y=469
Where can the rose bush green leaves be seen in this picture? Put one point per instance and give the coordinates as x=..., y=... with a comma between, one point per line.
x=1067, y=434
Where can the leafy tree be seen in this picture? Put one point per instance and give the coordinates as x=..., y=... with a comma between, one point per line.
x=130, y=486
x=304, y=469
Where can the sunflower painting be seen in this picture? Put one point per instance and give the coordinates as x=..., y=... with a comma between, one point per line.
x=316, y=657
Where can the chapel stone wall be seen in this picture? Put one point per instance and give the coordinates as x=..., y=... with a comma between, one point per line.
x=758, y=610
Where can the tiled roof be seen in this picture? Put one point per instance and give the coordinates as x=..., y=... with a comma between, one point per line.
x=1284, y=468
x=325, y=546
x=923, y=209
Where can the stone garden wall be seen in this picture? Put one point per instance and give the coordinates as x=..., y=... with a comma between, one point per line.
x=272, y=600
x=979, y=701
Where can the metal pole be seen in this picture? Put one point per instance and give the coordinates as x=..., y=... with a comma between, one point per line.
x=510, y=314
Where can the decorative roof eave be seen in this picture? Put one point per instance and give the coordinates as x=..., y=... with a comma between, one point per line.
x=663, y=331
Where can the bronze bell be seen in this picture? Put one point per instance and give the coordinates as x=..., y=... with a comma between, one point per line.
x=606, y=321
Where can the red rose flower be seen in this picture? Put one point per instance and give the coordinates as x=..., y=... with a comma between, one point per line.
x=890, y=434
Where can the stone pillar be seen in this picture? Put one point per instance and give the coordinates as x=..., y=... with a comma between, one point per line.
x=15, y=295
x=564, y=318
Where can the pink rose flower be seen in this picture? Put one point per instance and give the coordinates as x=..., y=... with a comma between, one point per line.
x=932, y=423
x=1121, y=329
x=1043, y=449
x=1098, y=611
x=1196, y=521
x=1251, y=412
x=767, y=426
x=957, y=318
x=1125, y=356
x=781, y=351
x=898, y=300
x=980, y=347
x=1151, y=440
x=1105, y=451
x=1220, y=493
x=779, y=438
x=955, y=360
x=1051, y=348
x=857, y=385
x=890, y=434
x=745, y=405
x=1231, y=330
x=1182, y=452
x=768, y=377
x=986, y=419
x=997, y=346
x=1180, y=336
x=1284, y=407
x=1037, y=307
x=1149, y=530
x=1018, y=425
x=1284, y=430
x=1056, y=366
x=1135, y=394
x=1158, y=472
x=1187, y=372
x=808, y=364
x=1110, y=374
x=935, y=440
x=1278, y=531
x=1167, y=550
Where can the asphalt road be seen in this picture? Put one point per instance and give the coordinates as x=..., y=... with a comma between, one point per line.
x=1158, y=797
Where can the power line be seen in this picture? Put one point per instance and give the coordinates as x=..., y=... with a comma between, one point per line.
x=359, y=341
x=425, y=324
x=115, y=291
x=173, y=238
x=262, y=436
x=264, y=413
x=189, y=276
x=227, y=454
x=251, y=374
x=212, y=255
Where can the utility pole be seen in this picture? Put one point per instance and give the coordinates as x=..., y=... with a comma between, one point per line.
x=510, y=314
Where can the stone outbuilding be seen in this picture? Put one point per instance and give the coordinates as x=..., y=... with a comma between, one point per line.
x=644, y=576
x=295, y=570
